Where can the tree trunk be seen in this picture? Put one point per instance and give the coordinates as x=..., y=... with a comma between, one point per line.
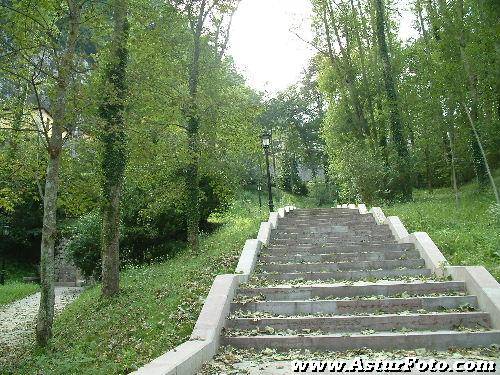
x=46, y=309
x=192, y=179
x=477, y=159
x=193, y=125
x=404, y=168
x=111, y=242
x=483, y=154
x=346, y=69
x=49, y=231
x=114, y=154
x=434, y=20
x=453, y=169
x=428, y=167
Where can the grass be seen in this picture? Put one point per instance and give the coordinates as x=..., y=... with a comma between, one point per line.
x=155, y=311
x=14, y=288
x=468, y=234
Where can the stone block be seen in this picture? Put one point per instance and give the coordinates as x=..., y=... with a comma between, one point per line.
x=397, y=228
x=248, y=257
x=185, y=359
x=434, y=259
x=215, y=309
x=378, y=215
x=483, y=285
x=264, y=234
x=273, y=220
x=362, y=209
x=281, y=213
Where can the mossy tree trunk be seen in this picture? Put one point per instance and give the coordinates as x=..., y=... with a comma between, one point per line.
x=193, y=126
x=54, y=146
x=114, y=156
x=403, y=164
x=477, y=158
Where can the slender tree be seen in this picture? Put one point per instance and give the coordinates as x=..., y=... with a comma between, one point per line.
x=396, y=122
x=202, y=15
x=477, y=158
x=113, y=139
x=55, y=144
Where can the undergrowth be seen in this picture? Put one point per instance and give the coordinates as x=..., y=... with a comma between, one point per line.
x=467, y=233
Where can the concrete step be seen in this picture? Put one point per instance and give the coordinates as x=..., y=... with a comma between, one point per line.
x=331, y=267
x=324, y=223
x=339, y=241
x=350, y=323
x=339, y=257
x=360, y=289
x=335, y=248
x=332, y=229
x=361, y=306
x=325, y=214
x=327, y=237
x=348, y=237
x=329, y=218
x=440, y=340
x=346, y=275
x=299, y=211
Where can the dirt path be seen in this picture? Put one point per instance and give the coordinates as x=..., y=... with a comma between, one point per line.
x=17, y=319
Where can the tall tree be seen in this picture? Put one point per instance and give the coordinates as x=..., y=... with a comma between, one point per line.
x=396, y=122
x=202, y=15
x=477, y=157
x=113, y=139
x=65, y=67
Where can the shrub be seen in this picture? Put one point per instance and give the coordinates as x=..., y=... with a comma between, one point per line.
x=322, y=192
x=84, y=246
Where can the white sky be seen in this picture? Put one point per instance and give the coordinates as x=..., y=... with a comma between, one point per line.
x=267, y=53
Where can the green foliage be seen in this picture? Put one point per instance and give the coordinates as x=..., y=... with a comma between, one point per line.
x=294, y=119
x=450, y=64
x=154, y=205
x=467, y=235
x=358, y=168
x=84, y=246
x=322, y=193
x=288, y=177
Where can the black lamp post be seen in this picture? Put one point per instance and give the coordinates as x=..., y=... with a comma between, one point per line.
x=266, y=143
x=4, y=255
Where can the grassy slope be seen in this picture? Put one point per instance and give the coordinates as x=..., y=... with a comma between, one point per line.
x=155, y=311
x=467, y=235
x=14, y=288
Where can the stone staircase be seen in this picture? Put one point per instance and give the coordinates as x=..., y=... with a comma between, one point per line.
x=332, y=279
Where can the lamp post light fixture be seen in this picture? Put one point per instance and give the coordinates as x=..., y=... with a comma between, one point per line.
x=266, y=143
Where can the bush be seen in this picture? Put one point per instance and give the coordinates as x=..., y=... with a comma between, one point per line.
x=84, y=246
x=360, y=171
x=288, y=177
x=151, y=229
x=321, y=192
